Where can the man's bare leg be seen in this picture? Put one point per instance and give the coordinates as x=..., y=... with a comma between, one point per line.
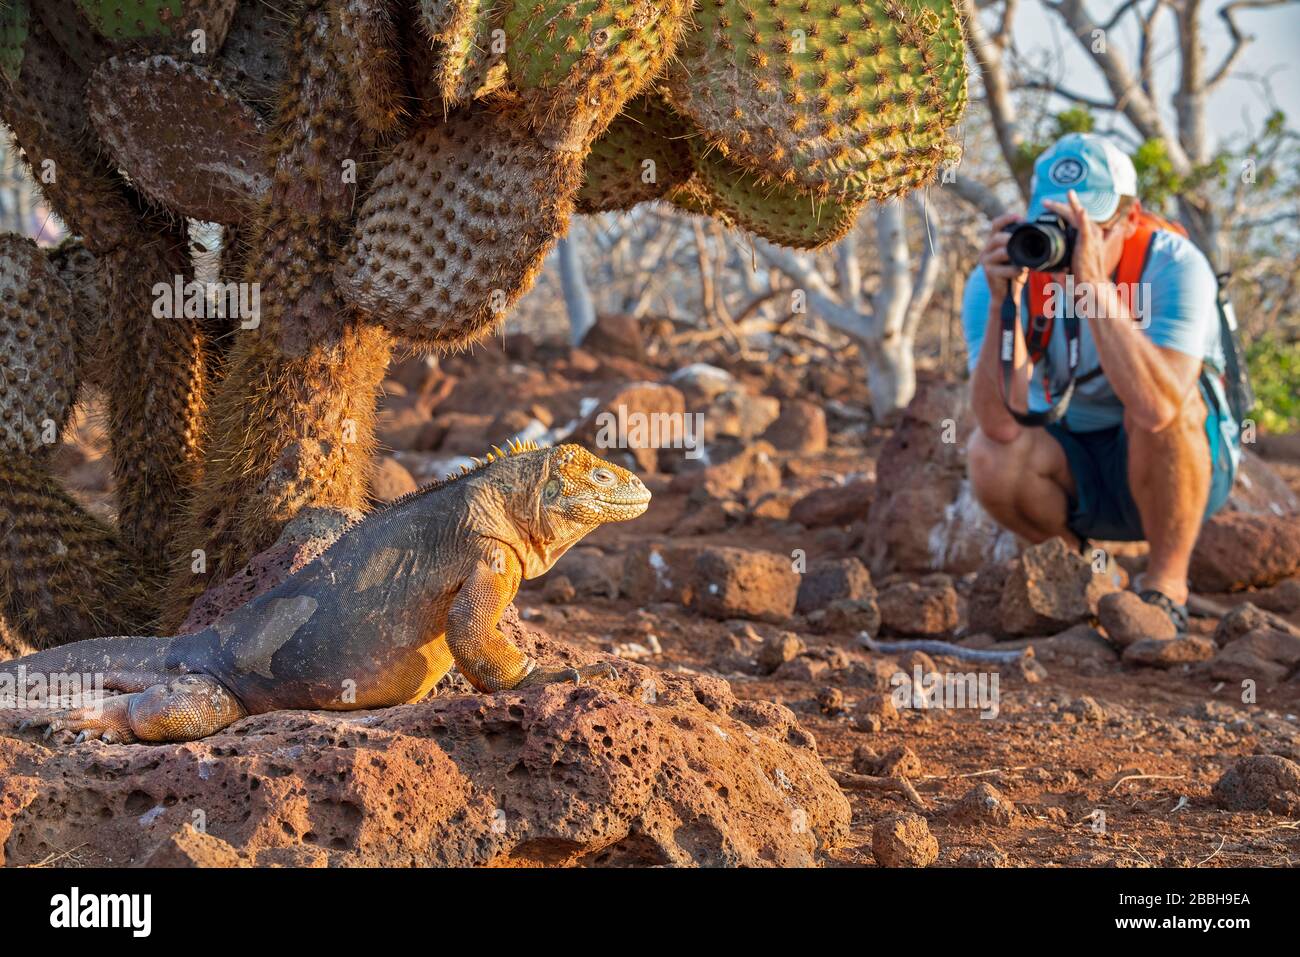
x=1025, y=484
x=1169, y=475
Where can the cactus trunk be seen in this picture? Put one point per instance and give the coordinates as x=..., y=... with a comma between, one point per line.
x=292, y=419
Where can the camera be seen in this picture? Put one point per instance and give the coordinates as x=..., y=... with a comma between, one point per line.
x=1044, y=245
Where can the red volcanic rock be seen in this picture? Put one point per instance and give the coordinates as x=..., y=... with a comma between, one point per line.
x=744, y=583
x=925, y=517
x=1049, y=588
x=1260, y=782
x=646, y=769
x=1236, y=550
x=834, y=505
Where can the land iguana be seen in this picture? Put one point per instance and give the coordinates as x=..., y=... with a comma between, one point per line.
x=376, y=620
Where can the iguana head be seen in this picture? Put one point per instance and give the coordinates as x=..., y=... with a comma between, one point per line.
x=556, y=496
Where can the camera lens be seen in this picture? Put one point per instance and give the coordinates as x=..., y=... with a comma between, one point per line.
x=1040, y=246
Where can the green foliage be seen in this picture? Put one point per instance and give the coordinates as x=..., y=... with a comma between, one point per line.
x=1274, y=366
x=1074, y=120
x=1157, y=181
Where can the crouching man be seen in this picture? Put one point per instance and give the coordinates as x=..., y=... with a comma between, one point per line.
x=1099, y=411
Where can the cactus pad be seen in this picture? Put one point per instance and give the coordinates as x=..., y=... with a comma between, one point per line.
x=776, y=211
x=64, y=574
x=187, y=142
x=640, y=157
x=844, y=98
x=13, y=34
x=366, y=40
x=577, y=62
x=467, y=61
x=92, y=325
x=37, y=387
x=691, y=197
x=456, y=226
x=157, y=25
x=252, y=60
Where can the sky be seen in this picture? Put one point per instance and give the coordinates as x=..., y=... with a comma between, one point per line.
x=1274, y=53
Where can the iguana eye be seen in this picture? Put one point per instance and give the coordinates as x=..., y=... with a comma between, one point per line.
x=552, y=490
x=603, y=477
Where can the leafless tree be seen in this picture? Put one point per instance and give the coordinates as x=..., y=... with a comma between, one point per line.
x=1127, y=89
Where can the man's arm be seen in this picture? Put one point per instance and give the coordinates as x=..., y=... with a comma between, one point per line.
x=987, y=405
x=1152, y=382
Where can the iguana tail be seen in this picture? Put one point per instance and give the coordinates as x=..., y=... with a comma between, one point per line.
x=109, y=660
x=71, y=689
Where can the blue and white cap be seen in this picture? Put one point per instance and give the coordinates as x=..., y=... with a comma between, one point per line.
x=1098, y=171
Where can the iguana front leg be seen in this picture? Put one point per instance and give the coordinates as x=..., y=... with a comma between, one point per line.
x=485, y=656
x=187, y=708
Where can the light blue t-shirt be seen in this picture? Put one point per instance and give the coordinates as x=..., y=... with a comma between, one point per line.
x=1180, y=298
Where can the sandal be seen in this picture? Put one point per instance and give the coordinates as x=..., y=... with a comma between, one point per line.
x=1178, y=613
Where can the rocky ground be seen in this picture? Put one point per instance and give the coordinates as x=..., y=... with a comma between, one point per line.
x=1095, y=738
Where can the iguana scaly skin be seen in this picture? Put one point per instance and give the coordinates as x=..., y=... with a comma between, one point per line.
x=375, y=621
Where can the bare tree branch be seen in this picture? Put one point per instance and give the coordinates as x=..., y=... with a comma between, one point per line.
x=927, y=273
x=1128, y=95
x=997, y=91
x=1239, y=40
x=976, y=195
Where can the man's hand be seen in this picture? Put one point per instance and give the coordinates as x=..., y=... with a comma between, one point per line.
x=1002, y=276
x=1151, y=382
x=991, y=413
x=1089, y=264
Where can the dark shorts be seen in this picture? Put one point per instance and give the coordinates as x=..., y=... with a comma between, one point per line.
x=1103, y=506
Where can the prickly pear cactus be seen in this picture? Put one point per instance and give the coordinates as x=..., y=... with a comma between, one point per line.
x=367, y=43
x=157, y=361
x=457, y=225
x=469, y=47
x=251, y=61
x=13, y=35
x=832, y=97
x=37, y=387
x=147, y=22
x=777, y=212
x=385, y=168
x=642, y=156
x=92, y=327
x=186, y=141
x=577, y=62
x=292, y=421
x=63, y=574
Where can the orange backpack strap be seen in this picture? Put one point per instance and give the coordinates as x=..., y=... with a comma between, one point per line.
x=1133, y=261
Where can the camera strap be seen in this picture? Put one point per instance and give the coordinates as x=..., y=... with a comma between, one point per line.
x=1043, y=330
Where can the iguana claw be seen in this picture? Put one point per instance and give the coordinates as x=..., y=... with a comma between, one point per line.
x=106, y=721
x=546, y=676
